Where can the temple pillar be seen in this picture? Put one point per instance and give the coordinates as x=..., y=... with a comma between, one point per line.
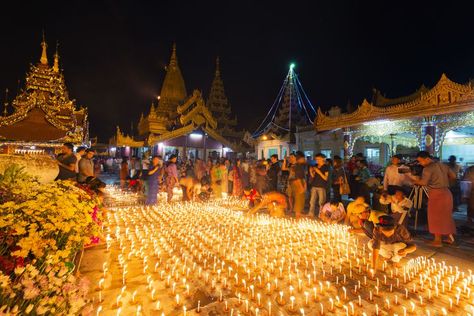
x=347, y=140
x=428, y=137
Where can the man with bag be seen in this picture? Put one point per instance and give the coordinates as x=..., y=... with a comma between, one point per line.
x=340, y=183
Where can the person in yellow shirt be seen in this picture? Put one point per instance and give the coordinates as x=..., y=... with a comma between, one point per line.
x=354, y=209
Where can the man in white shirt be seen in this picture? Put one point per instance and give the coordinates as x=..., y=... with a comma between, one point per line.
x=399, y=204
x=393, y=179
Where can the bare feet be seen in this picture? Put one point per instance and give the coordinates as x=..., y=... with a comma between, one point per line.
x=432, y=243
x=450, y=240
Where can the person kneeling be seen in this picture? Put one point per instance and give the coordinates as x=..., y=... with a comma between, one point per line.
x=391, y=241
x=251, y=195
x=354, y=209
x=332, y=212
x=274, y=201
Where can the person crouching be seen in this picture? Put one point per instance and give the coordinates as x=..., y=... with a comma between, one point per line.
x=390, y=240
x=332, y=212
x=274, y=202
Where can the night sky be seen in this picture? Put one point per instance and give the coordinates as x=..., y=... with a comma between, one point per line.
x=113, y=52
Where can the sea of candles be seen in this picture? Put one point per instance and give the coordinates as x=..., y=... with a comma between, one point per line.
x=195, y=258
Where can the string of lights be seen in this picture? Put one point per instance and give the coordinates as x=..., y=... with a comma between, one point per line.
x=294, y=89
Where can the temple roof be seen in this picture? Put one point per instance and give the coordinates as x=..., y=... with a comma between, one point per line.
x=173, y=91
x=219, y=106
x=381, y=100
x=42, y=110
x=446, y=97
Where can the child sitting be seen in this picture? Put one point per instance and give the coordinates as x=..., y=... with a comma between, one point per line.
x=332, y=212
x=399, y=204
x=390, y=240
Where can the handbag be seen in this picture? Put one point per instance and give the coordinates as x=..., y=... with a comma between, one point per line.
x=344, y=187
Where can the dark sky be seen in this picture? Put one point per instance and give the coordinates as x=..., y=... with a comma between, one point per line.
x=114, y=52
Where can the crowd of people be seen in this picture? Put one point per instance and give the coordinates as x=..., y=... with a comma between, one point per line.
x=328, y=189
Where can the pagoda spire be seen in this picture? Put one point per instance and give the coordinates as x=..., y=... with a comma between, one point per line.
x=218, y=67
x=173, y=59
x=5, y=104
x=173, y=90
x=44, y=56
x=56, y=59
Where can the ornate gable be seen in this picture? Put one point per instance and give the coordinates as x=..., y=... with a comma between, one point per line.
x=446, y=97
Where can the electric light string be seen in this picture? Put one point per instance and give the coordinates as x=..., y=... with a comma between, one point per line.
x=302, y=103
x=276, y=103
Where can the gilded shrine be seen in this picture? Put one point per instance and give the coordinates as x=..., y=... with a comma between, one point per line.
x=42, y=106
x=426, y=120
x=184, y=124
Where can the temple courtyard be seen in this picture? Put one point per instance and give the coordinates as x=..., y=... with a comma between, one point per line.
x=213, y=259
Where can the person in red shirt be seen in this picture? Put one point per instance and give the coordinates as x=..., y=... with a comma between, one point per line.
x=251, y=195
x=274, y=202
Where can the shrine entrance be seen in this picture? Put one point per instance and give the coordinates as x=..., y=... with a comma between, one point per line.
x=460, y=143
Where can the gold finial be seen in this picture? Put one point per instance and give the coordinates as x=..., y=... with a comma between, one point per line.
x=44, y=56
x=56, y=59
x=5, y=108
x=174, y=59
x=218, y=67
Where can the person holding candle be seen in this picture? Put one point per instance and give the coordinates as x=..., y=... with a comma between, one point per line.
x=251, y=195
x=274, y=201
x=367, y=220
x=332, y=212
x=390, y=240
x=436, y=178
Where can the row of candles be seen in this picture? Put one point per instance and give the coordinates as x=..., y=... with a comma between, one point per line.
x=188, y=258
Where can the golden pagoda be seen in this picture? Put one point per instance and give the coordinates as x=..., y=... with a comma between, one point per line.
x=173, y=93
x=184, y=124
x=43, y=114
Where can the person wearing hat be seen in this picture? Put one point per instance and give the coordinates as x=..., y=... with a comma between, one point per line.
x=394, y=180
x=390, y=240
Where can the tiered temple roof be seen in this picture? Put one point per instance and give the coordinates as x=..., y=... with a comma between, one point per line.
x=177, y=114
x=220, y=107
x=42, y=110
